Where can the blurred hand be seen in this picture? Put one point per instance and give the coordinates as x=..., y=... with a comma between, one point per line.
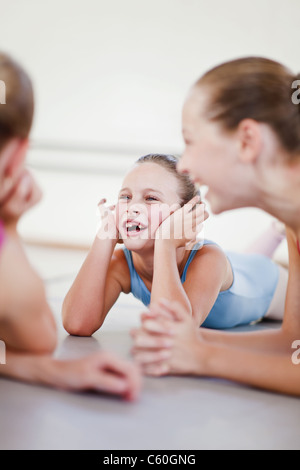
x=23, y=195
x=168, y=341
x=102, y=372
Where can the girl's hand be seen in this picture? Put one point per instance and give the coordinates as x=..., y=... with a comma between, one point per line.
x=183, y=225
x=168, y=342
x=24, y=195
x=108, y=228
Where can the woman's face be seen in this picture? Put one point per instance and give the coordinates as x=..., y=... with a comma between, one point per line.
x=210, y=155
x=149, y=194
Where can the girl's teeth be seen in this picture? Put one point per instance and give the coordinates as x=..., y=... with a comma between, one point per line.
x=132, y=228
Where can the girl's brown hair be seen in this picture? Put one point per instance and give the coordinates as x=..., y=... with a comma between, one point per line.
x=16, y=112
x=187, y=189
x=256, y=88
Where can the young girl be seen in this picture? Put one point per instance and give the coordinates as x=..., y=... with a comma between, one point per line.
x=27, y=326
x=156, y=217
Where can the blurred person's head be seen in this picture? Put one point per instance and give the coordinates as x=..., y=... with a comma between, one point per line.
x=16, y=116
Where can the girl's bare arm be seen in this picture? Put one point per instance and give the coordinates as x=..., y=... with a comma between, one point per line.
x=96, y=288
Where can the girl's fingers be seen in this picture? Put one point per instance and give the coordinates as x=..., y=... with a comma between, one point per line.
x=102, y=201
x=190, y=206
x=190, y=245
x=143, y=340
x=158, y=309
x=101, y=207
x=174, y=309
x=196, y=199
x=156, y=370
x=158, y=327
x=199, y=214
x=156, y=313
x=150, y=357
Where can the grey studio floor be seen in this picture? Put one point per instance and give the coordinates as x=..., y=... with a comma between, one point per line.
x=172, y=412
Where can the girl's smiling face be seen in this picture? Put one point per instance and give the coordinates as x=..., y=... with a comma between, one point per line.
x=149, y=194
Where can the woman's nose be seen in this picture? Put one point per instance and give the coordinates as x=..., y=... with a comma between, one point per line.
x=181, y=165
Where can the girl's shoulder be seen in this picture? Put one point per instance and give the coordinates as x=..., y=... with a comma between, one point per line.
x=206, y=247
x=208, y=258
x=206, y=252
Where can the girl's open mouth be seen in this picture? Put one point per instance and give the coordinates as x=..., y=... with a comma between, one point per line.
x=133, y=228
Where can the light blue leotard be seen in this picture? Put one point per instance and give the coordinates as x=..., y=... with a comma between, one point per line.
x=255, y=279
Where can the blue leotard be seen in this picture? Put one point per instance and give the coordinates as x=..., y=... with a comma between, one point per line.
x=255, y=279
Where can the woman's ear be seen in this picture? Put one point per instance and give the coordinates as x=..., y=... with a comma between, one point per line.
x=250, y=140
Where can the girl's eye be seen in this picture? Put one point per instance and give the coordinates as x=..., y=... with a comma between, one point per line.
x=151, y=198
x=124, y=197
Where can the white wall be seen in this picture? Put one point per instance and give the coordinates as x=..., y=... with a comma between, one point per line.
x=110, y=78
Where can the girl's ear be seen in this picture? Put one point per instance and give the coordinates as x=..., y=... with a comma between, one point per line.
x=250, y=140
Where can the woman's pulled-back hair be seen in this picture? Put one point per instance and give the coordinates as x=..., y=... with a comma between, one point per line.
x=16, y=109
x=255, y=88
x=187, y=189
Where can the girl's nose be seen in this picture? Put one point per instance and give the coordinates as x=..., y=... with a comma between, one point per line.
x=134, y=209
